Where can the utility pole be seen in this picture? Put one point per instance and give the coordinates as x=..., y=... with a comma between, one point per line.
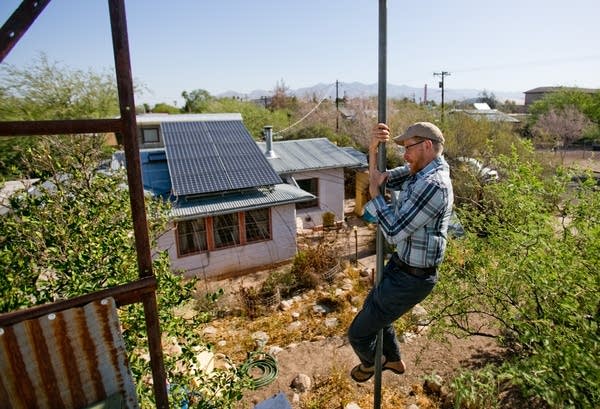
x=442, y=74
x=337, y=109
x=381, y=166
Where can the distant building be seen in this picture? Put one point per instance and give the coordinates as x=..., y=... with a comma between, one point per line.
x=540, y=92
x=481, y=110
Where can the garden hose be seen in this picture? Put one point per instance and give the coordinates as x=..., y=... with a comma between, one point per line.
x=263, y=362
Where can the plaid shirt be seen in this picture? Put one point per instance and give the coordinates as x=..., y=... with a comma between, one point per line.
x=417, y=219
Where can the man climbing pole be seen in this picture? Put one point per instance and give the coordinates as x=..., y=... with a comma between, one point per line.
x=417, y=224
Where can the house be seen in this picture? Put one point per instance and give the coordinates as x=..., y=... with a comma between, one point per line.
x=316, y=166
x=481, y=110
x=232, y=213
x=535, y=94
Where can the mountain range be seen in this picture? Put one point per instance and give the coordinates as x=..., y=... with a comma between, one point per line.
x=357, y=89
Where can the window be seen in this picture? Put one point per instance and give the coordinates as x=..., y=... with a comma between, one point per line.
x=219, y=232
x=226, y=230
x=150, y=135
x=310, y=186
x=191, y=236
x=258, y=225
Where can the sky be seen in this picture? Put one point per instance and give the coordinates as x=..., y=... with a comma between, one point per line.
x=244, y=45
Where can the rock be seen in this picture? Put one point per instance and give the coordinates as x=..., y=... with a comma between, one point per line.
x=433, y=385
x=295, y=315
x=296, y=399
x=210, y=330
x=420, y=314
x=352, y=405
x=407, y=337
x=301, y=383
x=331, y=322
x=205, y=361
x=320, y=309
x=347, y=285
x=412, y=406
x=274, y=350
x=285, y=305
x=222, y=343
x=260, y=338
x=296, y=325
x=365, y=272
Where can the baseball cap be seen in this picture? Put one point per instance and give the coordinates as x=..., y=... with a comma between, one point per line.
x=425, y=130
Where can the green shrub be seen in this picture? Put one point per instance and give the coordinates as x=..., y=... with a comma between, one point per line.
x=534, y=277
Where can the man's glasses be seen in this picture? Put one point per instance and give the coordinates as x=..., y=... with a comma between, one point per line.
x=403, y=149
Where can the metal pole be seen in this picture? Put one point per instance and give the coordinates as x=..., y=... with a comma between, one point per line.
x=118, y=22
x=381, y=165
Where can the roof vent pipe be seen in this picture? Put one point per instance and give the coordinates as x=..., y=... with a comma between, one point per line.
x=268, y=134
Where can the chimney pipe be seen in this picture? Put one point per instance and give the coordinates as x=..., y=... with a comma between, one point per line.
x=268, y=133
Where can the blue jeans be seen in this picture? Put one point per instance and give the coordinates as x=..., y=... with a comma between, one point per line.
x=396, y=293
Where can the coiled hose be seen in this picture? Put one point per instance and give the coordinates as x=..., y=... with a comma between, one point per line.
x=263, y=363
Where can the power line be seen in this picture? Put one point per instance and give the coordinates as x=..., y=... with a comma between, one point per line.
x=309, y=112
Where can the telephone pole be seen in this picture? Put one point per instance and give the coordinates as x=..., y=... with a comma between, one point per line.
x=337, y=108
x=442, y=74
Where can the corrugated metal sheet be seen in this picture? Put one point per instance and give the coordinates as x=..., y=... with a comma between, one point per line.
x=150, y=119
x=214, y=156
x=68, y=359
x=253, y=199
x=308, y=154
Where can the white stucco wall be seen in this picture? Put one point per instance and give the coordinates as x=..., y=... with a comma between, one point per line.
x=234, y=260
x=331, y=196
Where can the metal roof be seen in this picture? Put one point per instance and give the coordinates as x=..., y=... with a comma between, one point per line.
x=361, y=157
x=308, y=154
x=247, y=200
x=160, y=118
x=490, y=114
x=214, y=156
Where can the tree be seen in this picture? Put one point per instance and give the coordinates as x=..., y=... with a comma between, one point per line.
x=586, y=103
x=165, y=108
x=281, y=99
x=489, y=98
x=46, y=90
x=561, y=127
x=196, y=101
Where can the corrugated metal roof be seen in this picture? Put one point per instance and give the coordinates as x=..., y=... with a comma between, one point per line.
x=308, y=154
x=490, y=114
x=214, y=156
x=356, y=154
x=159, y=118
x=253, y=199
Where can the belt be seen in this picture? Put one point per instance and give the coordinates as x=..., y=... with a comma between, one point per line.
x=420, y=272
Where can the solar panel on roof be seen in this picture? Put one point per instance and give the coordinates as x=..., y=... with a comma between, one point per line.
x=214, y=156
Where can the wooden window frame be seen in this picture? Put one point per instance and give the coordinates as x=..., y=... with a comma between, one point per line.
x=245, y=227
x=209, y=224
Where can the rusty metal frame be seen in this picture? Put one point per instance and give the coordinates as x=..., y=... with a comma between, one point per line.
x=144, y=289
